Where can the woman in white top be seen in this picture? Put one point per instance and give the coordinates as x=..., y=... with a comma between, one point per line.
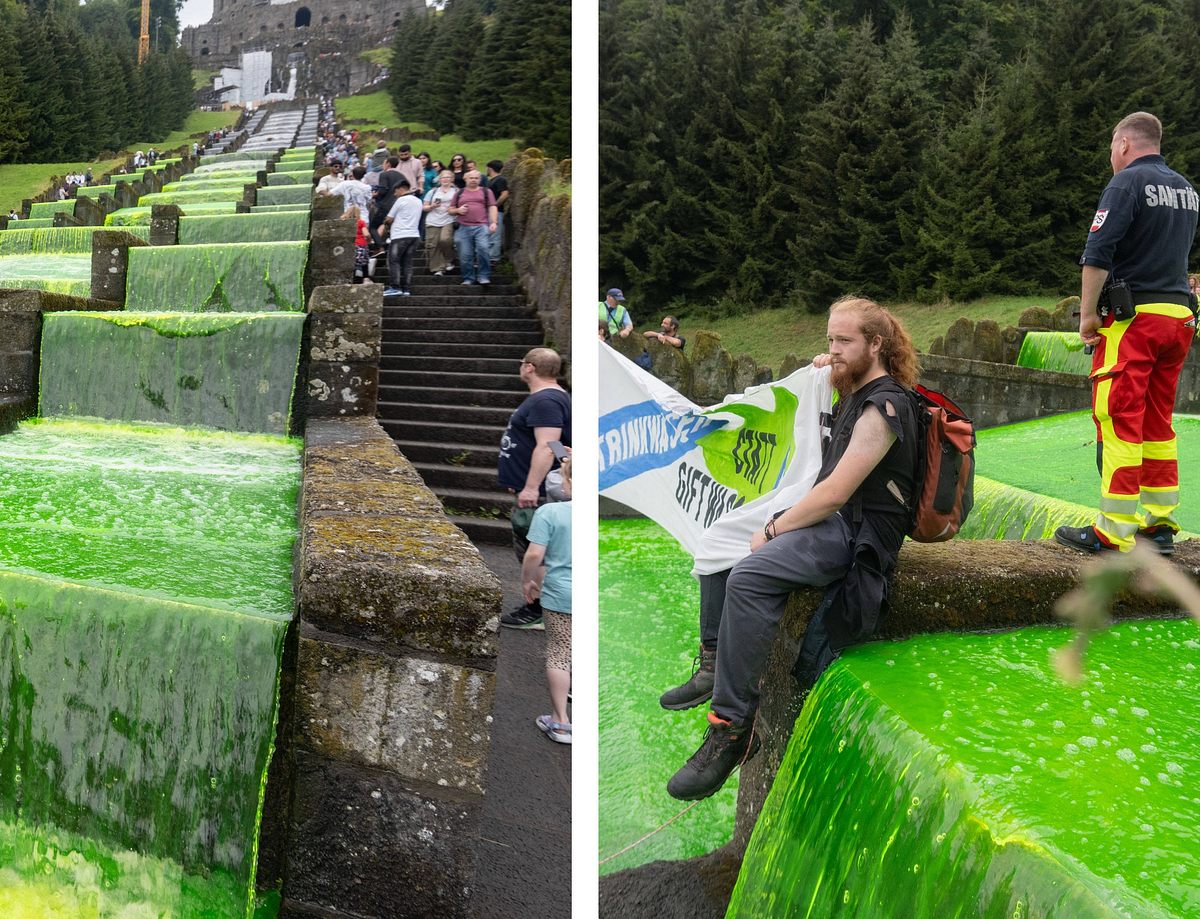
x=439, y=224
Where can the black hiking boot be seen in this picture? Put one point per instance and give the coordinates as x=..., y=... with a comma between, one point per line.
x=1085, y=539
x=698, y=689
x=1160, y=538
x=726, y=746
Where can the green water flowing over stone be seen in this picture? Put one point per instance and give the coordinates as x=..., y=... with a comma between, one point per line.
x=235, y=156
x=137, y=216
x=648, y=610
x=44, y=209
x=217, y=278
x=233, y=372
x=1005, y=512
x=956, y=776
x=61, y=274
x=280, y=208
x=141, y=693
x=279, y=177
x=95, y=191
x=1059, y=351
x=54, y=240
x=225, y=182
x=285, y=194
x=294, y=166
x=240, y=167
x=243, y=228
x=30, y=223
x=184, y=198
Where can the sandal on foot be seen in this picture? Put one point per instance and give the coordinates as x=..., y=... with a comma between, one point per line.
x=559, y=733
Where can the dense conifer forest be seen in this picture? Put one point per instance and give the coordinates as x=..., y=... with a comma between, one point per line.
x=758, y=153
x=70, y=84
x=488, y=68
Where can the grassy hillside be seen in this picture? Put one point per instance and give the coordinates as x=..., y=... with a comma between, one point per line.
x=20, y=181
x=374, y=113
x=771, y=334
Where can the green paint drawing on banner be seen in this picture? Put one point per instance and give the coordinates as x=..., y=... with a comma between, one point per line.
x=749, y=458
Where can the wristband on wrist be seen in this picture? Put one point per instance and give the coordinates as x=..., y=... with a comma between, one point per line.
x=769, y=530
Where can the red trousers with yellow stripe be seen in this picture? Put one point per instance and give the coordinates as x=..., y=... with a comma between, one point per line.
x=1135, y=371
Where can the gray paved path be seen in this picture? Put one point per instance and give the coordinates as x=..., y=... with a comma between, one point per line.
x=525, y=853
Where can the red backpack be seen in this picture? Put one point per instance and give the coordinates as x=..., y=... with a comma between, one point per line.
x=945, y=467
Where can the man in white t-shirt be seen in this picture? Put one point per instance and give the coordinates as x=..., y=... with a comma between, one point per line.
x=403, y=221
x=356, y=193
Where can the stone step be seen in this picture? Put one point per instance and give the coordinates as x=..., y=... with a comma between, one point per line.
x=449, y=476
x=473, y=455
x=418, y=308
x=452, y=380
x=439, y=365
x=457, y=414
x=479, y=296
x=453, y=349
x=464, y=337
x=486, y=531
x=451, y=323
x=440, y=431
x=492, y=503
x=452, y=286
x=509, y=399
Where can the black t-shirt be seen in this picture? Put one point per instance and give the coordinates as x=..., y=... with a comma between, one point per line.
x=546, y=408
x=385, y=190
x=498, y=185
x=1144, y=226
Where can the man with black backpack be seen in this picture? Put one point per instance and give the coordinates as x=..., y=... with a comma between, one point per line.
x=845, y=534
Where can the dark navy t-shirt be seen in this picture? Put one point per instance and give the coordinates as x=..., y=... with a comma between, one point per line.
x=546, y=408
x=1143, y=228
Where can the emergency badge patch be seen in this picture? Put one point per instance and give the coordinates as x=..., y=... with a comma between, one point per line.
x=1098, y=220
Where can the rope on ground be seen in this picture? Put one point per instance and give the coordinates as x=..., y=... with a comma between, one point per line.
x=638, y=842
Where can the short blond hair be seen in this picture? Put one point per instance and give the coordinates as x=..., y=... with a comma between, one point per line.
x=1144, y=129
x=546, y=362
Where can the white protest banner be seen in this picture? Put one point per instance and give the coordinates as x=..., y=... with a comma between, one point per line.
x=709, y=476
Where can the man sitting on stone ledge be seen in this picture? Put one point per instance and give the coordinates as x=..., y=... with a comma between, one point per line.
x=844, y=534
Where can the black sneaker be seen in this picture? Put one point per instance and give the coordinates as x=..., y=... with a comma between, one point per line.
x=726, y=746
x=698, y=689
x=1161, y=538
x=1085, y=539
x=523, y=618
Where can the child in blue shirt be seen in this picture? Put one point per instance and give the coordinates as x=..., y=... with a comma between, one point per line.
x=546, y=573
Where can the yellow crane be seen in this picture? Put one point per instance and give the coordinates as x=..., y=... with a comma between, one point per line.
x=144, y=38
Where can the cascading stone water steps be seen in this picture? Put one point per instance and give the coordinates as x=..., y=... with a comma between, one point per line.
x=448, y=382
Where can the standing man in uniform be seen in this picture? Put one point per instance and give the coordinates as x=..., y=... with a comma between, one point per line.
x=614, y=313
x=525, y=455
x=1137, y=257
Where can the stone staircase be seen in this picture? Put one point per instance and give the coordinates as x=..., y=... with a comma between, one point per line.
x=448, y=383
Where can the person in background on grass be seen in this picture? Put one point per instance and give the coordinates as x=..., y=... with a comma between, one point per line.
x=546, y=575
x=613, y=311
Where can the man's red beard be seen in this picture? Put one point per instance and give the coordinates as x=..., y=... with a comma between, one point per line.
x=846, y=377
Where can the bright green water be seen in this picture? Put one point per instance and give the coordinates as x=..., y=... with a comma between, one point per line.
x=648, y=609
x=237, y=277
x=1060, y=351
x=139, y=709
x=280, y=208
x=237, y=181
x=956, y=776
x=43, y=209
x=95, y=191
x=30, y=223
x=55, y=240
x=302, y=177
x=235, y=156
x=285, y=194
x=61, y=274
x=243, y=228
x=137, y=216
x=1065, y=467
x=232, y=371
x=294, y=166
x=184, y=198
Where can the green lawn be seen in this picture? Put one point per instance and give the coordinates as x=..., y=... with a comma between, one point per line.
x=771, y=334
x=381, y=56
x=376, y=114
x=197, y=123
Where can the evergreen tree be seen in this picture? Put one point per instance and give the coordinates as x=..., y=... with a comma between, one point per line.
x=48, y=111
x=537, y=98
x=458, y=37
x=14, y=126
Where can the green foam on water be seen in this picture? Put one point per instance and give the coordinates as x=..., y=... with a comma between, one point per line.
x=54, y=240
x=141, y=694
x=137, y=216
x=285, y=194
x=64, y=273
x=1006, y=512
x=246, y=167
x=49, y=208
x=292, y=225
x=232, y=371
x=955, y=775
x=648, y=612
x=1058, y=351
x=234, y=277
x=1064, y=447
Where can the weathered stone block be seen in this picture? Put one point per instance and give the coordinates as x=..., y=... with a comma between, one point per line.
x=336, y=389
x=671, y=366
x=110, y=263
x=345, y=337
x=365, y=844
x=1064, y=316
x=357, y=706
x=712, y=369
x=90, y=212
x=18, y=330
x=744, y=369
x=1035, y=318
x=763, y=375
x=18, y=372
x=987, y=344
x=402, y=492
x=938, y=346
x=347, y=298
x=791, y=363
x=960, y=339
x=164, y=224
